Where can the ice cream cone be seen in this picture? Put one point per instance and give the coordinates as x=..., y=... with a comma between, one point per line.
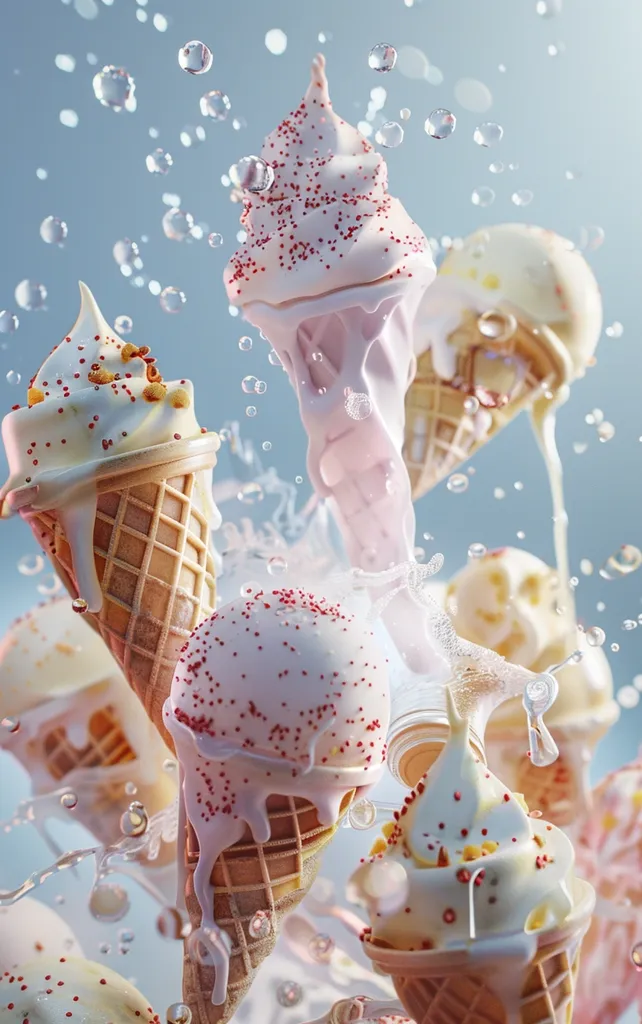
x=255, y=885
x=154, y=563
x=440, y=433
x=483, y=986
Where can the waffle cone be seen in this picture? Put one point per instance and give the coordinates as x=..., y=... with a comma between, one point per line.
x=439, y=434
x=273, y=878
x=154, y=561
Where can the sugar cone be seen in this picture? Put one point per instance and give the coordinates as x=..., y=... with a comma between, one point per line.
x=273, y=878
x=439, y=434
x=154, y=561
x=451, y=987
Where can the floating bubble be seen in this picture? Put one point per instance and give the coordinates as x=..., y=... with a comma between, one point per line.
x=457, y=483
x=215, y=105
x=215, y=241
x=276, y=41
x=30, y=295
x=260, y=387
x=195, y=57
x=172, y=925
x=115, y=88
x=172, y=299
x=250, y=410
x=252, y=174
x=125, y=252
x=10, y=724
x=192, y=135
x=289, y=993
x=523, y=197
x=131, y=788
x=483, y=196
x=248, y=384
x=629, y=624
x=624, y=561
x=628, y=697
x=177, y=224
x=104, y=948
x=477, y=550
x=69, y=801
x=321, y=948
x=497, y=326
x=277, y=565
x=160, y=23
x=53, y=230
x=473, y=95
x=267, y=446
x=9, y=322
x=595, y=636
x=238, y=123
x=548, y=8
x=260, y=926
x=499, y=493
x=108, y=902
x=518, y=485
x=382, y=57
x=614, y=330
x=358, y=405
x=123, y=324
x=250, y=493
x=389, y=135
x=488, y=134
x=586, y=567
x=591, y=238
x=245, y=344
x=178, y=1013
x=30, y=565
x=68, y=118
x=135, y=820
x=362, y=815
x=274, y=359
x=605, y=432
x=384, y=887
x=159, y=161
x=496, y=167
x=440, y=124
x=471, y=405
x=65, y=62
x=49, y=585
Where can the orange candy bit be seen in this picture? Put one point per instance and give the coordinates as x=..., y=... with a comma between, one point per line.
x=129, y=351
x=101, y=376
x=154, y=392
x=34, y=396
x=180, y=399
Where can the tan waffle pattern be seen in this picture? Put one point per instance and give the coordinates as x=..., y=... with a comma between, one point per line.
x=439, y=434
x=272, y=877
x=462, y=998
x=552, y=790
x=155, y=565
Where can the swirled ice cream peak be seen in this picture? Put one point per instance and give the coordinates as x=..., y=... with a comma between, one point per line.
x=327, y=222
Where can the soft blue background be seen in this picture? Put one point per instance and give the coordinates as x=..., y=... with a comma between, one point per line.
x=578, y=111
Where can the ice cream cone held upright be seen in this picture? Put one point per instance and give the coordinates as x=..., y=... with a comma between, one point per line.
x=111, y=470
x=333, y=272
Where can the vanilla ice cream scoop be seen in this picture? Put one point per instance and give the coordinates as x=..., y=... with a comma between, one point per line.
x=475, y=863
x=30, y=930
x=61, y=989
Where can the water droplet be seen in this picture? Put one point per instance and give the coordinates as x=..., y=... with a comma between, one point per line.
x=595, y=636
x=629, y=624
x=636, y=955
x=108, y=902
x=216, y=105
x=69, y=800
x=321, y=948
x=382, y=57
x=195, y=57
x=358, y=405
x=586, y=567
x=591, y=238
x=473, y=95
x=518, y=485
x=483, y=196
x=9, y=322
x=600, y=606
x=131, y=788
x=625, y=560
x=488, y=134
x=248, y=383
x=245, y=344
x=458, y=483
x=171, y=924
x=499, y=493
x=192, y=135
x=53, y=230
x=276, y=41
x=178, y=1013
x=13, y=377
x=68, y=118
x=159, y=161
x=250, y=493
x=177, y=224
x=548, y=8
x=615, y=648
x=160, y=22
x=126, y=935
x=250, y=410
x=497, y=326
x=362, y=815
x=49, y=585
x=104, y=948
x=404, y=113
x=172, y=300
x=79, y=605
x=389, y=135
x=115, y=88
x=471, y=405
x=440, y=124
x=579, y=447
x=496, y=167
x=277, y=565
x=523, y=197
x=274, y=358
x=65, y=62
x=30, y=295
x=260, y=387
x=520, y=535
x=135, y=821
x=260, y=926
x=123, y=324
x=125, y=252
x=289, y=993
x=252, y=174
x=10, y=724
x=614, y=330
x=215, y=240
x=267, y=446
x=298, y=479
x=30, y=565
x=477, y=550
x=556, y=49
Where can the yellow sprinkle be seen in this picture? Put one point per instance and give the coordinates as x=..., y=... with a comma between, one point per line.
x=388, y=829
x=379, y=846
x=34, y=396
x=539, y=840
x=637, y=799
x=536, y=920
x=66, y=649
x=180, y=399
x=154, y=392
x=491, y=281
x=609, y=822
x=521, y=801
x=489, y=846
x=473, y=273
x=472, y=853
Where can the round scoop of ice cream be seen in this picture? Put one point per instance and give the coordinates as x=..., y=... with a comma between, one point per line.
x=534, y=272
x=30, y=930
x=48, y=653
x=475, y=863
x=328, y=221
x=94, y=397
x=57, y=990
x=510, y=600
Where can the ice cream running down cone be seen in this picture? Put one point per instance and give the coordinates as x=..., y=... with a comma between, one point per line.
x=512, y=602
x=279, y=713
x=111, y=470
x=332, y=272
x=609, y=852
x=77, y=725
x=514, y=315
x=475, y=909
